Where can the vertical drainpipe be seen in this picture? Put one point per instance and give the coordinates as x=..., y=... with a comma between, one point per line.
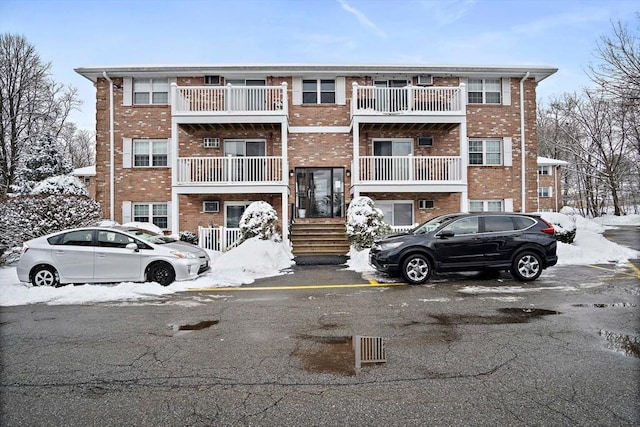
x=523, y=156
x=111, y=151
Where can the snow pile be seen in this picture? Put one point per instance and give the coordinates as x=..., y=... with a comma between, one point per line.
x=148, y=226
x=61, y=184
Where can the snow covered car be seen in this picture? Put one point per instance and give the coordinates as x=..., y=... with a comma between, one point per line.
x=523, y=244
x=107, y=255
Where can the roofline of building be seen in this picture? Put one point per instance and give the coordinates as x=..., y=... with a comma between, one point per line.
x=545, y=161
x=536, y=71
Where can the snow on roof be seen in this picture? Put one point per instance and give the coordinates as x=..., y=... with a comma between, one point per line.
x=85, y=171
x=544, y=161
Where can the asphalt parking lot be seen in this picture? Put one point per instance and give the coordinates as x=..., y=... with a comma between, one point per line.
x=459, y=350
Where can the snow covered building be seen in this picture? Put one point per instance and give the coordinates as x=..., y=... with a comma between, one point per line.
x=189, y=147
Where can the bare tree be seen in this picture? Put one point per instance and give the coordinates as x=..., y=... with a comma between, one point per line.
x=79, y=144
x=32, y=105
x=619, y=69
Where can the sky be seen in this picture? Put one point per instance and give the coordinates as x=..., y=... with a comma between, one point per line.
x=86, y=33
x=255, y=259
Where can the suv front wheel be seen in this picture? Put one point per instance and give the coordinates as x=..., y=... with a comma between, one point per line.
x=416, y=269
x=526, y=266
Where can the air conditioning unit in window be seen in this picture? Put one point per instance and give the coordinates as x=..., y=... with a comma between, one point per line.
x=425, y=141
x=211, y=206
x=426, y=204
x=212, y=143
x=425, y=80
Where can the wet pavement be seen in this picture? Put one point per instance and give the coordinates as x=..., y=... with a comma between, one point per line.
x=463, y=349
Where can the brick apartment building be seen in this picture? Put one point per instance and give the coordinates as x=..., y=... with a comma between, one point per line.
x=189, y=147
x=550, y=184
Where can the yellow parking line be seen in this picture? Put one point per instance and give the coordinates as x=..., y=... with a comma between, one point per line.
x=634, y=269
x=297, y=287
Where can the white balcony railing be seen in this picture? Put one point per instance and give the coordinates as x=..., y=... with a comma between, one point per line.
x=197, y=100
x=229, y=170
x=416, y=100
x=410, y=168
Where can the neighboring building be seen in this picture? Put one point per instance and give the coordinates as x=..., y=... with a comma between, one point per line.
x=550, y=184
x=87, y=175
x=191, y=146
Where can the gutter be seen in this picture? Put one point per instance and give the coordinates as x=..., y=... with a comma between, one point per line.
x=111, y=151
x=522, y=145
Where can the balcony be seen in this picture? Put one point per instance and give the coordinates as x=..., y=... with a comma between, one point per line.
x=199, y=101
x=402, y=174
x=413, y=101
x=229, y=171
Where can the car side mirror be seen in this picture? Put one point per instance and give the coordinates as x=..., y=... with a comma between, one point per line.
x=446, y=234
x=132, y=246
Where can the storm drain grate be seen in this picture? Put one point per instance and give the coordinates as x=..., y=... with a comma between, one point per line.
x=369, y=350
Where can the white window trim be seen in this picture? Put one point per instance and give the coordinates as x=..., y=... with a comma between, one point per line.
x=393, y=202
x=484, y=93
x=548, y=189
x=151, y=92
x=545, y=170
x=225, y=141
x=235, y=203
x=150, y=140
x=503, y=154
x=128, y=211
x=319, y=91
x=485, y=204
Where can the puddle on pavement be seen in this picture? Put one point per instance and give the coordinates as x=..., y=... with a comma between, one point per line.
x=205, y=324
x=621, y=343
x=614, y=305
x=506, y=316
x=337, y=355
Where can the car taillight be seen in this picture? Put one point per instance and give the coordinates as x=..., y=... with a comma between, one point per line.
x=549, y=229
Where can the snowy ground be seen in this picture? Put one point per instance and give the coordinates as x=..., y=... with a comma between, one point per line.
x=256, y=259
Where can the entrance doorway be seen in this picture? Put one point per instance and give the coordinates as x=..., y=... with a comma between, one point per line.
x=319, y=192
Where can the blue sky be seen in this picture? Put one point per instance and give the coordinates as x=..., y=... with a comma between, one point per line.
x=83, y=33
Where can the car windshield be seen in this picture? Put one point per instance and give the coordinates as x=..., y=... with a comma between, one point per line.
x=433, y=224
x=150, y=237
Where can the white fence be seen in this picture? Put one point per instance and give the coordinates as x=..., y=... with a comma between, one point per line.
x=415, y=99
x=207, y=99
x=410, y=168
x=230, y=169
x=219, y=239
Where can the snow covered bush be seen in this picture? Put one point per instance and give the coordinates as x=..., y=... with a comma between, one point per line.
x=43, y=159
x=26, y=217
x=61, y=184
x=258, y=220
x=364, y=223
x=189, y=237
x=564, y=225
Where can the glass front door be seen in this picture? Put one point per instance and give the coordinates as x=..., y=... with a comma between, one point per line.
x=319, y=192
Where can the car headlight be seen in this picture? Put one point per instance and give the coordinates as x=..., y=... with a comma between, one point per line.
x=388, y=246
x=186, y=255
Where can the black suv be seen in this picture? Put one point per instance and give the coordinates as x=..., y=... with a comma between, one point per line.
x=524, y=244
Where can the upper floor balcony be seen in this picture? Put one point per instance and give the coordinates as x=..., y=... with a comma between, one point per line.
x=261, y=102
x=435, y=102
x=230, y=171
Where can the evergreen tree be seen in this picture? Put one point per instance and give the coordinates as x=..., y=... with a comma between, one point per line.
x=42, y=160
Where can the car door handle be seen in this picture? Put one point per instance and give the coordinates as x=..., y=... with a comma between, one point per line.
x=101, y=255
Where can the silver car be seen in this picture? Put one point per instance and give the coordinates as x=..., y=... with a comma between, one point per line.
x=109, y=254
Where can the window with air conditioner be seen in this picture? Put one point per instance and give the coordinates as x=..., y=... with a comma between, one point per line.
x=211, y=206
x=425, y=80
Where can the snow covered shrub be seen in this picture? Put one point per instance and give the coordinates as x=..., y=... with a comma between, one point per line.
x=61, y=184
x=26, y=217
x=364, y=223
x=564, y=225
x=189, y=237
x=258, y=220
x=42, y=159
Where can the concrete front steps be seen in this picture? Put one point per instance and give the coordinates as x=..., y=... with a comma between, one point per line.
x=319, y=239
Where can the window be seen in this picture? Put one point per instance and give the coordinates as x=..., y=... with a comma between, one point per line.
x=233, y=213
x=468, y=225
x=484, y=91
x=111, y=239
x=73, y=238
x=426, y=204
x=156, y=213
x=150, y=152
x=212, y=80
x=544, y=191
x=318, y=92
x=211, y=206
x=493, y=224
x=485, y=152
x=396, y=213
x=544, y=170
x=485, y=206
x=150, y=91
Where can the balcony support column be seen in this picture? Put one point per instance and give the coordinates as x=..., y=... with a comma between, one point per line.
x=285, y=172
x=464, y=151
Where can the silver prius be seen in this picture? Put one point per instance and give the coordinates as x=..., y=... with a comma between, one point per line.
x=107, y=255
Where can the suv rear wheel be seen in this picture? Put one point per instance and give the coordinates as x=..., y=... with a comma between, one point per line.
x=416, y=269
x=526, y=266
